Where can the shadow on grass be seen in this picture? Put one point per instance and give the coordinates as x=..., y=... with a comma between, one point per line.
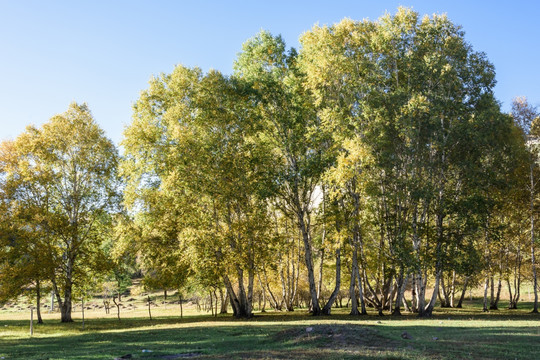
x=280, y=336
x=474, y=313
x=226, y=340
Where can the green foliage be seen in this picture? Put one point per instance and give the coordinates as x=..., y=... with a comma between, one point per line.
x=200, y=203
x=392, y=123
x=59, y=188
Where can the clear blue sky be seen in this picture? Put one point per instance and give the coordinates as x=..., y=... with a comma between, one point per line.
x=104, y=52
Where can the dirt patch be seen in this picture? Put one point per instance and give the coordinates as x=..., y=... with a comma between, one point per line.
x=303, y=354
x=336, y=337
x=180, y=356
x=323, y=341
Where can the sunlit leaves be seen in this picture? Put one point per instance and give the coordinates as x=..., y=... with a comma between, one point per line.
x=60, y=186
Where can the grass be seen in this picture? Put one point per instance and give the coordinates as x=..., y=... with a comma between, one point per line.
x=451, y=334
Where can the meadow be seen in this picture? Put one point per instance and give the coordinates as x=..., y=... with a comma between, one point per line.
x=466, y=333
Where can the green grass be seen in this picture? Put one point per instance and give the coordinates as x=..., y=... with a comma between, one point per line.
x=450, y=334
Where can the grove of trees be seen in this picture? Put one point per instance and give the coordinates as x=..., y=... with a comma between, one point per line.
x=376, y=157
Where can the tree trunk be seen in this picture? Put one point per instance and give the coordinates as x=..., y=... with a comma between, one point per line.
x=492, y=293
x=445, y=301
x=428, y=310
x=420, y=286
x=65, y=305
x=327, y=309
x=533, y=261
x=486, y=286
x=284, y=290
x=494, y=304
x=357, y=246
x=453, y=289
x=439, y=277
x=414, y=306
x=389, y=303
x=238, y=302
x=82, y=311
x=535, y=280
x=371, y=296
x=38, y=302
x=215, y=303
x=355, y=275
x=319, y=285
x=460, y=302
x=245, y=308
x=224, y=300
x=321, y=267
x=401, y=284
x=405, y=304
x=352, y=287
x=514, y=298
x=51, y=309
x=31, y=320
x=499, y=287
x=118, y=307
x=65, y=308
x=57, y=294
x=420, y=293
x=232, y=296
x=360, y=292
x=273, y=302
x=180, y=302
x=264, y=300
x=242, y=298
x=315, y=308
x=295, y=294
x=263, y=292
x=251, y=282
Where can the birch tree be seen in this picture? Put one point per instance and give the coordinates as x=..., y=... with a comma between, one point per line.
x=64, y=174
x=289, y=122
x=410, y=89
x=194, y=160
x=527, y=117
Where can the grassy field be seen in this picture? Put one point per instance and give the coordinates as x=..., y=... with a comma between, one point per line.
x=451, y=334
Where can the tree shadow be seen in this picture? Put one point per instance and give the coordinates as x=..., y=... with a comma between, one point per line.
x=282, y=336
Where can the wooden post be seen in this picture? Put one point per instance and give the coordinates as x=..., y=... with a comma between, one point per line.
x=216, y=303
x=180, y=301
x=52, y=302
x=31, y=320
x=149, y=312
x=82, y=307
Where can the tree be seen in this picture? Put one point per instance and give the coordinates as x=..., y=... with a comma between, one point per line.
x=121, y=253
x=24, y=264
x=410, y=90
x=63, y=176
x=153, y=239
x=198, y=174
x=291, y=125
x=527, y=118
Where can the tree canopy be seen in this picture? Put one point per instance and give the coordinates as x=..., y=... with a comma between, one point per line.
x=60, y=187
x=376, y=153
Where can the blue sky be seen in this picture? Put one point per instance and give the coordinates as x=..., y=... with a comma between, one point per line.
x=104, y=52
